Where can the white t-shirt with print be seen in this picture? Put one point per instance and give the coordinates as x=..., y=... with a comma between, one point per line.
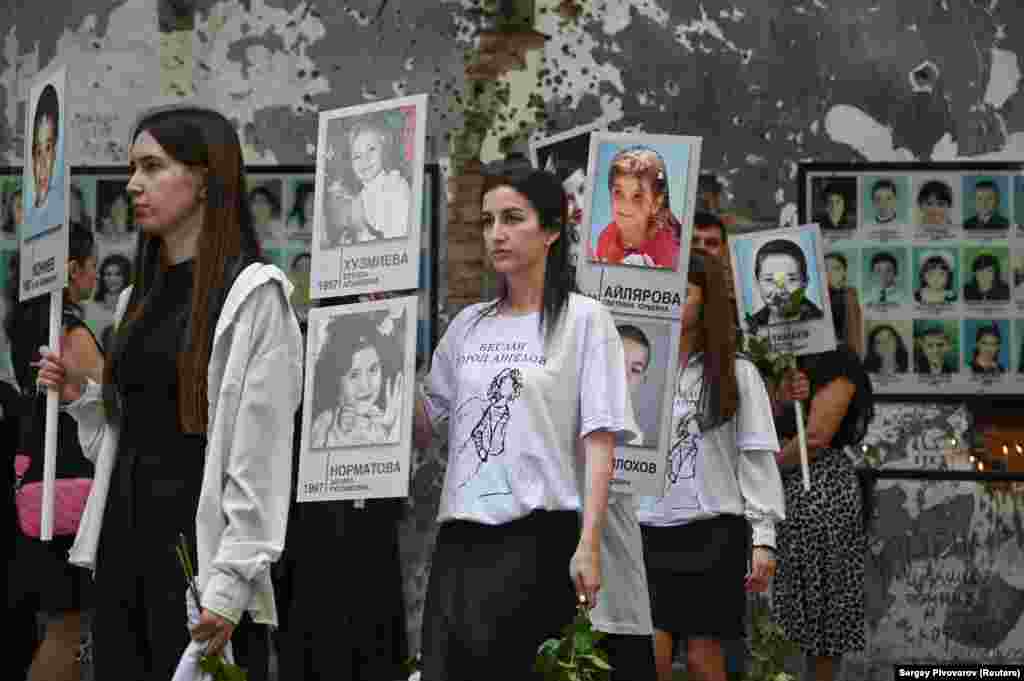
x=386, y=203
x=515, y=411
x=728, y=470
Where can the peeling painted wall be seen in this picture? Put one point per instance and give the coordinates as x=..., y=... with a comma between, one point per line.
x=767, y=83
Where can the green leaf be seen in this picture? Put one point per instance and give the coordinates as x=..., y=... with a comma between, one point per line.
x=598, y=662
x=233, y=673
x=583, y=643
x=549, y=649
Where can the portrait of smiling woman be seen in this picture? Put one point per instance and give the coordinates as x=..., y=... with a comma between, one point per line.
x=358, y=385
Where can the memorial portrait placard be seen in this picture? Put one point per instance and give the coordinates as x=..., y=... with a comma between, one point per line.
x=357, y=412
x=43, y=237
x=368, y=203
x=637, y=221
x=769, y=267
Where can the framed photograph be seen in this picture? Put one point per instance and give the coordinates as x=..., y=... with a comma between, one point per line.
x=565, y=155
x=357, y=413
x=771, y=266
x=638, y=221
x=947, y=267
x=43, y=237
x=369, y=175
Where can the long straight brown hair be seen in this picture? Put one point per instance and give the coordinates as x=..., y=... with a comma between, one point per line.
x=719, y=393
x=201, y=139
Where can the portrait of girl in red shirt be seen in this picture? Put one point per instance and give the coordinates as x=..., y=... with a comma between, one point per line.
x=643, y=231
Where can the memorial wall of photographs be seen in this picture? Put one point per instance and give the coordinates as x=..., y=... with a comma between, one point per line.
x=936, y=254
x=281, y=201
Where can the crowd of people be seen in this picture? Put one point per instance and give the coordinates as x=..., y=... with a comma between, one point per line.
x=184, y=422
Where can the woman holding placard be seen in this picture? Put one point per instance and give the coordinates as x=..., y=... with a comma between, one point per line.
x=40, y=574
x=509, y=512
x=819, y=592
x=192, y=426
x=721, y=479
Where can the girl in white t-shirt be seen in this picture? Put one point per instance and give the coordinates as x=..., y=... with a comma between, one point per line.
x=721, y=480
x=525, y=386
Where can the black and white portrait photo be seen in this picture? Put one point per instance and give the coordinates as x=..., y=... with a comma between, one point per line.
x=565, y=155
x=368, y=191
x=359, y=381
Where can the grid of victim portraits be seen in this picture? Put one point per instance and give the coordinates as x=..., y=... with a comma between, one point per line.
x=938, y=262
x=281, y=206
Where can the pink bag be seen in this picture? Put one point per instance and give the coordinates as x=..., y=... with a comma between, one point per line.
x=70, y=495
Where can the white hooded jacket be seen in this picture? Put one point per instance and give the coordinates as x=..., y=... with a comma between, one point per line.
x=254, y=388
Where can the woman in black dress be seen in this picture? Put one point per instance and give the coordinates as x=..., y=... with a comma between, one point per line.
x=194, y=419
x=819, y=587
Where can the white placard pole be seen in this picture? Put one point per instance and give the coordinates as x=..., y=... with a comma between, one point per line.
x=50, y=443
x=801, y=434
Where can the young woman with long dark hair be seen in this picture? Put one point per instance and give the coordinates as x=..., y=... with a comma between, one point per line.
x=721, y=480
x=192, y=426
x=530, y=387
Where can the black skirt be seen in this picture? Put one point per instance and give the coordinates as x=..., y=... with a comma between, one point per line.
x=41, y=578
x=496, y=592
x=695, y=574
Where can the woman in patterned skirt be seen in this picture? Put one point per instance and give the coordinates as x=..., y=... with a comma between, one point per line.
x=819, y=587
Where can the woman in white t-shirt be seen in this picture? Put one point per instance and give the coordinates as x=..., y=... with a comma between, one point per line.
x=721, y=480
x=529, y=388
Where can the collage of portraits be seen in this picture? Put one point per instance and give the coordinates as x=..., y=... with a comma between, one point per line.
x=936, y=255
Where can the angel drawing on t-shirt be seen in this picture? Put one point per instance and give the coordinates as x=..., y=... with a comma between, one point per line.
x=682, y=458
x=487, y=436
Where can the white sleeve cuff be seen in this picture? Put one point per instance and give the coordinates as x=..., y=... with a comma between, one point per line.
x=226, y=595
x=764, y=533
